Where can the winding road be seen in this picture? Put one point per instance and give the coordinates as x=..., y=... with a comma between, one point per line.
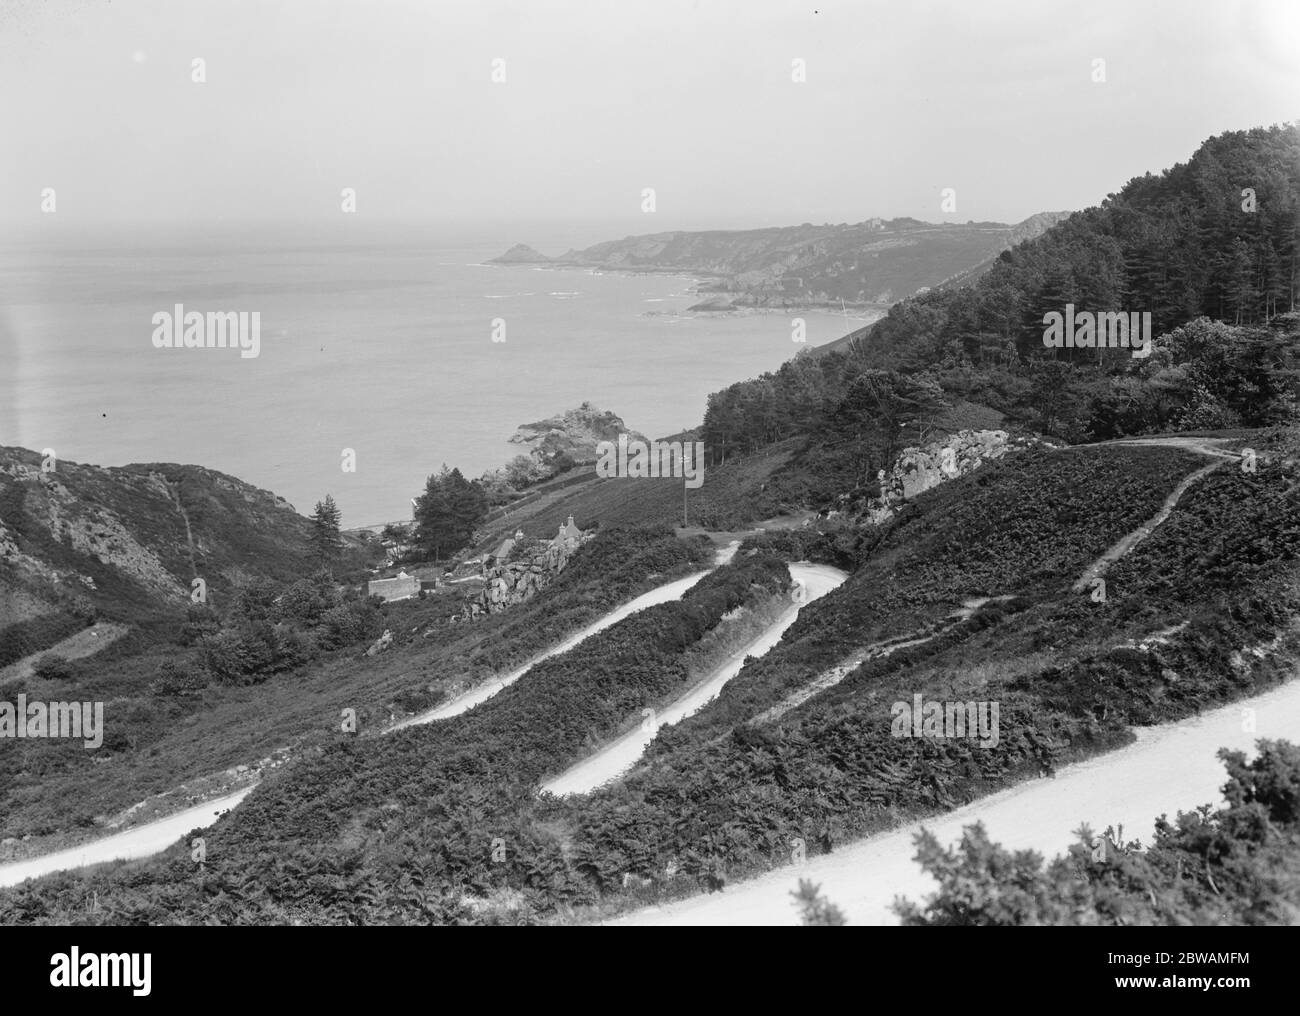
x=483, y=692
x=1170, y=768
x=155, y=837
x=615, y=759
x=131, y=844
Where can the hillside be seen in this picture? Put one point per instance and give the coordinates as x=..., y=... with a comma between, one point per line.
x=1085, y=541
x=125, y=543
x=393, y=825
x=1217, y=236
x=225, y=693
x=1216, y=274
x=875, y=262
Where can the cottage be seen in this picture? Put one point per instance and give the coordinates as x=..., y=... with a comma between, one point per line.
x=568, y=534
x=504, y=548
x=401, y=587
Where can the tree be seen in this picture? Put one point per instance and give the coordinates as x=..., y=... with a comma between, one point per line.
x=1050, y=394
x=877, y=407
x=814, y=909
x=325, y=540
x=468, y=502
x=447, y=512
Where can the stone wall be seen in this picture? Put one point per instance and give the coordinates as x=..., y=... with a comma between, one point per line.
x=399, y=588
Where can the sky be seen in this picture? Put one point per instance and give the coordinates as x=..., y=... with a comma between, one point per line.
x=696, y=100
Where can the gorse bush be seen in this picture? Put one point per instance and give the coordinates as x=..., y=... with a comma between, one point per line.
x=271, y=629
x=53, y=667
x=1239, y=864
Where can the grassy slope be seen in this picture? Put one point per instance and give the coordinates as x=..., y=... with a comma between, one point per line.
x=50, y=785
x=730, y=497
x=124, y=516
x=348, y=793
x=722, y=798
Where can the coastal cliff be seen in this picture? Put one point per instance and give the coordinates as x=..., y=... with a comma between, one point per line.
x=871, y=263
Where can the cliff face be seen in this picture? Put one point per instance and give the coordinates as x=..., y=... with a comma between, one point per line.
x=867, y=263
x=129, y=540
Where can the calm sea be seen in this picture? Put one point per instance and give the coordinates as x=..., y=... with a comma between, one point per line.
x=375, y=340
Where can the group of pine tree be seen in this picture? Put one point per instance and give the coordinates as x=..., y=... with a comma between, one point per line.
x=1210, y=248
x=446, y=515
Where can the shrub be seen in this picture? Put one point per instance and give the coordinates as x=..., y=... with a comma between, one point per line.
x=200, y=620
x=814, y=909
x=180, y=677
x=53, y=667
x=350, y=623
x=305, y=600
x=240, y=657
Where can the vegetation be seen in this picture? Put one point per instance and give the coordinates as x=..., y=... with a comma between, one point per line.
x=52, y=667
x=968, y=592
x=1218, y=275
x=447, y=512
x=420, y=828
x=326, y=544
x=22, y=638
x=474, y=772
x=814, y=909
x=171, y=719
x=1234, y=865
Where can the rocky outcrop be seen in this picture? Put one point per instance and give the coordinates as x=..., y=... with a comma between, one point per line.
x=575, y=433
x=85, y=527
x=380, y=644
x=520, y=254
x=917, y=470
x=508, y=584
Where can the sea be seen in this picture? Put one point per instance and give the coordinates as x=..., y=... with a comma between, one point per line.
x=377, y=351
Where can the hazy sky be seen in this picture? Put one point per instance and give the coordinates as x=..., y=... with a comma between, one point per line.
x=395, y=98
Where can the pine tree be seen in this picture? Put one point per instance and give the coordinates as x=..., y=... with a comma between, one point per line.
x=448, y=511
x=325, y=540
x=433, y=516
